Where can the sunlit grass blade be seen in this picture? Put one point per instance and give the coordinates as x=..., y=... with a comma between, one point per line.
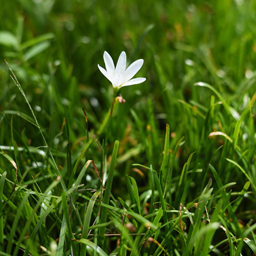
x=93, y=246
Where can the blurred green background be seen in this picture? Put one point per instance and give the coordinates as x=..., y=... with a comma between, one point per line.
x=54, y=47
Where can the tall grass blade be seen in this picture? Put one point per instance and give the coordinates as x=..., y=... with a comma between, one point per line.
x=225, y=198
x=161, y=197
x=2, y=181
x=107, y=192
x=60, y=249
x=87, y=219
x=15, y=223
x=31, y=217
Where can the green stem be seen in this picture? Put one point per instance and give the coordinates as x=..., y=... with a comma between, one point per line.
x=109, y=124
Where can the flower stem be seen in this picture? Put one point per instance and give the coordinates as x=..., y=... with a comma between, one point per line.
x=109, y=125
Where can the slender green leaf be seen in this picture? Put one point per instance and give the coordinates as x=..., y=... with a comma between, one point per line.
x=108, y=189
x=35, y=50
x=87, y=219
x=2, y=181
x=93, y=246
x=37, y=40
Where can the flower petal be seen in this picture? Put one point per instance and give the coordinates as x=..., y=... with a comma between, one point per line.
x=138, y=80
x=121, y=63
x=110, y=67
x=133, y=69
x=105, y=73
x=117, y=80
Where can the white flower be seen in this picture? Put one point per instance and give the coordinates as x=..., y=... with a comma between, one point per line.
x=119, y=76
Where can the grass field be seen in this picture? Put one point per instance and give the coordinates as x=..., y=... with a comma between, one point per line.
x=171, y=171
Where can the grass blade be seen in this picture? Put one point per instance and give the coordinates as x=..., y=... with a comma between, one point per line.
x=15, y=223
x=87, y=219
x=106, y=197
x=93, y=246
x=1, y=211
x=225, y=198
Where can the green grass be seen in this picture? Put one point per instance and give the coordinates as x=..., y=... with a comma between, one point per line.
x=171, y=172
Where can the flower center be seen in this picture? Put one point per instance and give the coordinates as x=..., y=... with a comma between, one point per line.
x=118, y=80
